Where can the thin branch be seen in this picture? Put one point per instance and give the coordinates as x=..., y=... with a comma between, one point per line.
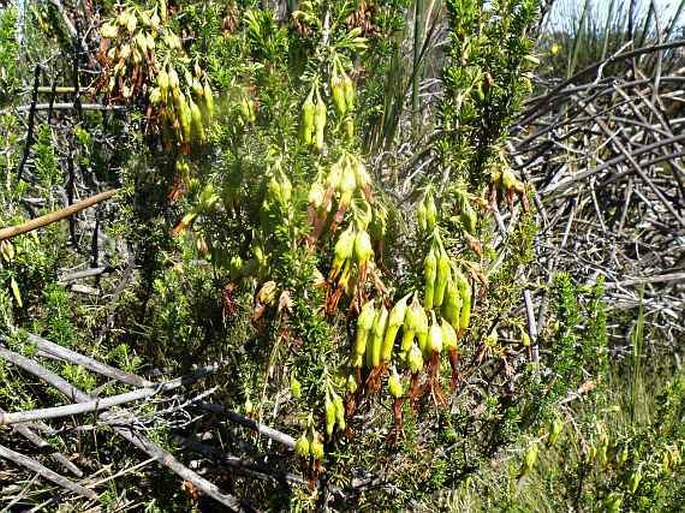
x=36, y=440
x=122, y=422
x=40, y=222
x=260, y=428
x=55, y=351
x=104, y=403
x=31, y=123
x=46, y=473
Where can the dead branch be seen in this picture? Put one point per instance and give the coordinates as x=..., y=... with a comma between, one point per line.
x=46, y=473
x=36, y=440
x=260, y=428
x=54, y=351
x=40, y=222
x=104, y=403
x=122, y=422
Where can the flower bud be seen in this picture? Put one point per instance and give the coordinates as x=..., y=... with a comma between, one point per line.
x=435, y=336
x=431, y=211
x=302, y=446
x=348, y=87
x=316, y=448
x=338, y=92
x=209, y=99
x=415, y=359
x=308, y=114
x=363, y=250
x=449, y=336
x=451, y=308
x=339, y=411
x=330, y=416
x=429, y=272
x=319, y=122
x=343, y=248
x=395, y=385
x=442, y=276
x=295, y=387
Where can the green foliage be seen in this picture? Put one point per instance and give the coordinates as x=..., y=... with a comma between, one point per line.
x=485, y=79
x=9, y=55
x=227, y=248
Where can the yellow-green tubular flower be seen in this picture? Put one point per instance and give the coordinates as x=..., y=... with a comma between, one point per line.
x=338, y=92
x=395, y=321
x=530, y=458
x=334, y=176
x=174, y=83
x=348, y=88
x=421, y=326
x=209, y=100
x=163, y=83
x=421, y=216
x=451, y=308
x=185, y=117
x=431, y=211
x=295, y=387
x=449, y=336
x=379, y=326
x=409, y=329
x=554, y=431
x=330, y=415
x=361, y=175
x=415, y=359
x=466, y=297
x=395, y=385
x=430, y=273
x=364, y=326
x=316, y=195
x=343, y=248
x=339, y=411
x=196, y=118
x=363, y=250
x=302, y=446
x=316, y=447
x=198, y=90
x=442, y=276
x=435, y=335
x=319, y=122
x=347, y=184
x=308, y=114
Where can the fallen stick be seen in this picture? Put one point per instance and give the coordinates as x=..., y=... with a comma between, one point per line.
x=659, y=278
x=269, y=432
x=52, y=217
x=45, y=472
x=99, y=404
x=36, y=440
x=86, y=273
x=122, y=423
x=55, y=351
x=253, y=469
